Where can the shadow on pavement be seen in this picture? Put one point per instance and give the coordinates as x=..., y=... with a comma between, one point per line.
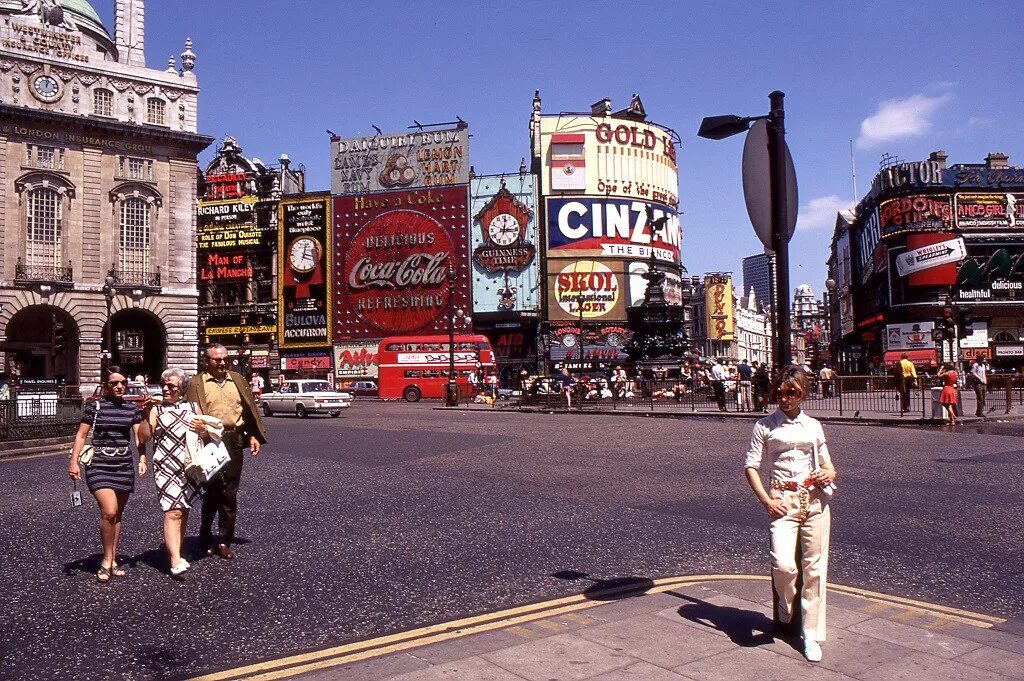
x=612, y=589
x=745, y=628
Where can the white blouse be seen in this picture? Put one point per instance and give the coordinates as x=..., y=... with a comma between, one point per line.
x=789, y=444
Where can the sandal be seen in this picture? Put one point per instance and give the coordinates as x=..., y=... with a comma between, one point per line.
x=117, y=571
x=103, y=575
x=178, y=571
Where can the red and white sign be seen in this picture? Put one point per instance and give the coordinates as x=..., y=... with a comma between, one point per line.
x=395, y=252
x=926, y=257
x=568, y=161
x=594, y=281
x=312, y=362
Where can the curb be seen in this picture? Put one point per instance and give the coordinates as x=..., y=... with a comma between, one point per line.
x=32, y=448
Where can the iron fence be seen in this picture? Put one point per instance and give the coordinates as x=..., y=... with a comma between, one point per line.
x=32, y=417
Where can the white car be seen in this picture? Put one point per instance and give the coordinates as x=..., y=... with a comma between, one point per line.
x=304, y=397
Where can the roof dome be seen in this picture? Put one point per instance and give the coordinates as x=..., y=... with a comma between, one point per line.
x=84, y=13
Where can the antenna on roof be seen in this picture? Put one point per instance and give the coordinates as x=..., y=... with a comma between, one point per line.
x=853, y=172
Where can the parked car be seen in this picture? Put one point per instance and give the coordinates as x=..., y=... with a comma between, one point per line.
x=362, y=388
x=136, y=393
x=305, y=397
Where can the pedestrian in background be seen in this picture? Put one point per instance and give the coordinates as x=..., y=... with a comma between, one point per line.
x=718, y=379
x=979, y=381
x=827, y=376
x=906, y=376
x=762, y=384
x=947, y=398
x=225, y=395
x=567, y=387
x=746, y=374
x=110, y=476
x=256, y=384
x=797, y=505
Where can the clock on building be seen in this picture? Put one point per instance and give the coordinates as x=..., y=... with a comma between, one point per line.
x=304, y=255
x=46, y=88
x=504, y=229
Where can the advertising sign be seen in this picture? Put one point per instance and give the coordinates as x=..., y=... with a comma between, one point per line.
x=916, y=336
x=407, y=160
x=503, y=239
x=916, y=214
x=944, y=252
x=991, y=273
x=610, y=157
x=978, y=338
x=306, y=361
x=718, y=305
x=232, y=226
x=353, y=360
x=844, y=283
x=598, y=285
x=610, y=228
x=303, y=270
x=673, y=285
x=1010, y=351
x=601, y=345
x=396, y=253
x=990, y=211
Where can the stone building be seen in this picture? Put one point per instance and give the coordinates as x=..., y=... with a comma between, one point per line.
x=97, y=195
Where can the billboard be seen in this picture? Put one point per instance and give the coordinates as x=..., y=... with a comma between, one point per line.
x=922, y=213
x=356, y=360
x=990, y=211
x=595, y=287
x=672, y=285
x=915, y=336
x=583, y=226
x=503, y=241
x=396, y=253
x=991, y=273
x=609, y=157
x=718, y=306
x=304, y=271
x=233, y=225
x=844, y=283
x=407, y=160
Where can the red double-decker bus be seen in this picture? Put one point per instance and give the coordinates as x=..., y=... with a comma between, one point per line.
x=414, y=367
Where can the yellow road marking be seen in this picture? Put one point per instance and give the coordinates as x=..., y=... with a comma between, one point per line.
x=523, y=631
x=908, y=614
x=513, y=618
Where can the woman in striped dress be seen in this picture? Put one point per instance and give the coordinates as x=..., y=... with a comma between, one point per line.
x=168, y=420
x=111, y=474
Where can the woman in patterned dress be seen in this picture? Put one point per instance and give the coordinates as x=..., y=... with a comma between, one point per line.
x=111, y=474
x=168, y=420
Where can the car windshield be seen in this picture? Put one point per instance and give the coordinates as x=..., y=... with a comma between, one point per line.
x=317, y=387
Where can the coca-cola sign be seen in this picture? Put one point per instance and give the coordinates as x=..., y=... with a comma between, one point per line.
x=397, y=255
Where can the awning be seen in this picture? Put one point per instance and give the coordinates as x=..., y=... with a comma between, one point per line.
x=920, y=358
x=568, y=138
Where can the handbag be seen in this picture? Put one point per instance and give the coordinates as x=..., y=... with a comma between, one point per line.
x=829, y=489
x=208, y=462
x=88, y=450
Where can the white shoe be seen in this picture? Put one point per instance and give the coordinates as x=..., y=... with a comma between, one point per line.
x=178, y=571
x=812, y=651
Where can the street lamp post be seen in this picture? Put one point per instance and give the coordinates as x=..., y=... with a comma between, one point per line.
x=454, y=315
x=107, y=355
x=720, y=127
x=580, y=299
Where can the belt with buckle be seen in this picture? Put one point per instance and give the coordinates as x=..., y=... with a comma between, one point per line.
x=789, y=485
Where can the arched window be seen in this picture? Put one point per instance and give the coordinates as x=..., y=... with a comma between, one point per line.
x=1004, y=337
x=156, y=111
x=103, y=102
x=135, y=228
x=45, y=217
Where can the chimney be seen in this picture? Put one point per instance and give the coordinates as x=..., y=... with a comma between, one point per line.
x=129, y=31
x=939, y=157
x=996, y=160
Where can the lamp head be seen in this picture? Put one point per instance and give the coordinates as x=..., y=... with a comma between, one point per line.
x=720, y=127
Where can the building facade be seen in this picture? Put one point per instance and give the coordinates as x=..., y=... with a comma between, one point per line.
x=236, y=255
x=759, y=274
x=97, y=195
x=927, y=238
x=603, y=175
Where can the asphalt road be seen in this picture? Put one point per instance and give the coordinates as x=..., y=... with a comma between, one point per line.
x=395, y=516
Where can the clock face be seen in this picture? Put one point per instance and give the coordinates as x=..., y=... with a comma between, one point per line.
x=304, y=254
x=46, y=88
x=504, y=229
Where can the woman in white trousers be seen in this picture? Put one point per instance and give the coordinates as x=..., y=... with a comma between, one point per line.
x=797, y=503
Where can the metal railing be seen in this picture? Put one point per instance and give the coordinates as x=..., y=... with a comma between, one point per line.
x=142, y=278
x=32, y=417
x=24, y=274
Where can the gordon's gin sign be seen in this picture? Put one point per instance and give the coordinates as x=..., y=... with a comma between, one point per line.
x=398, y=264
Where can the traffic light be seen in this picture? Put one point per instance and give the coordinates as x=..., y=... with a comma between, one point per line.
x=966, y=322
x=947, y=324
x=60, y=338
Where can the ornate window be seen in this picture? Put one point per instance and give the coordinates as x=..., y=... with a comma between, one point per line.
x=45, y=228
x=135, y=228
x=156, y=111
x=39, y=156
x=1004, y=337
x=132, y=168
x=103, y=102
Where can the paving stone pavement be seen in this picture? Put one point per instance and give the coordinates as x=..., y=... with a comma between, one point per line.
x=712, y=630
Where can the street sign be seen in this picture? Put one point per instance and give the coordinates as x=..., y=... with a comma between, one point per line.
x=932, y=255
x=757, y=185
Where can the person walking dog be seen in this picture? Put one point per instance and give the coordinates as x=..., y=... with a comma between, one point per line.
x=797, y=504
x=225, y=395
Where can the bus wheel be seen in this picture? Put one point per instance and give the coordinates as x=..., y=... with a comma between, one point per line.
x=412, y=394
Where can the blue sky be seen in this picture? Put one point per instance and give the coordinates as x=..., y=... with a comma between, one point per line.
x=899, y=77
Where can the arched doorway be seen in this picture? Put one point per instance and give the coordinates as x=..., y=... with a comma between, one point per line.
x=42, y=342
x=139, y=343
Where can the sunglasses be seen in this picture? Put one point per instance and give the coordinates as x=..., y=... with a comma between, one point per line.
x=169, y=386
x=113, y=383
x=791, y=393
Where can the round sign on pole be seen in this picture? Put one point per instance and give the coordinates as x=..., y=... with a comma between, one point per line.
x=757, y=184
